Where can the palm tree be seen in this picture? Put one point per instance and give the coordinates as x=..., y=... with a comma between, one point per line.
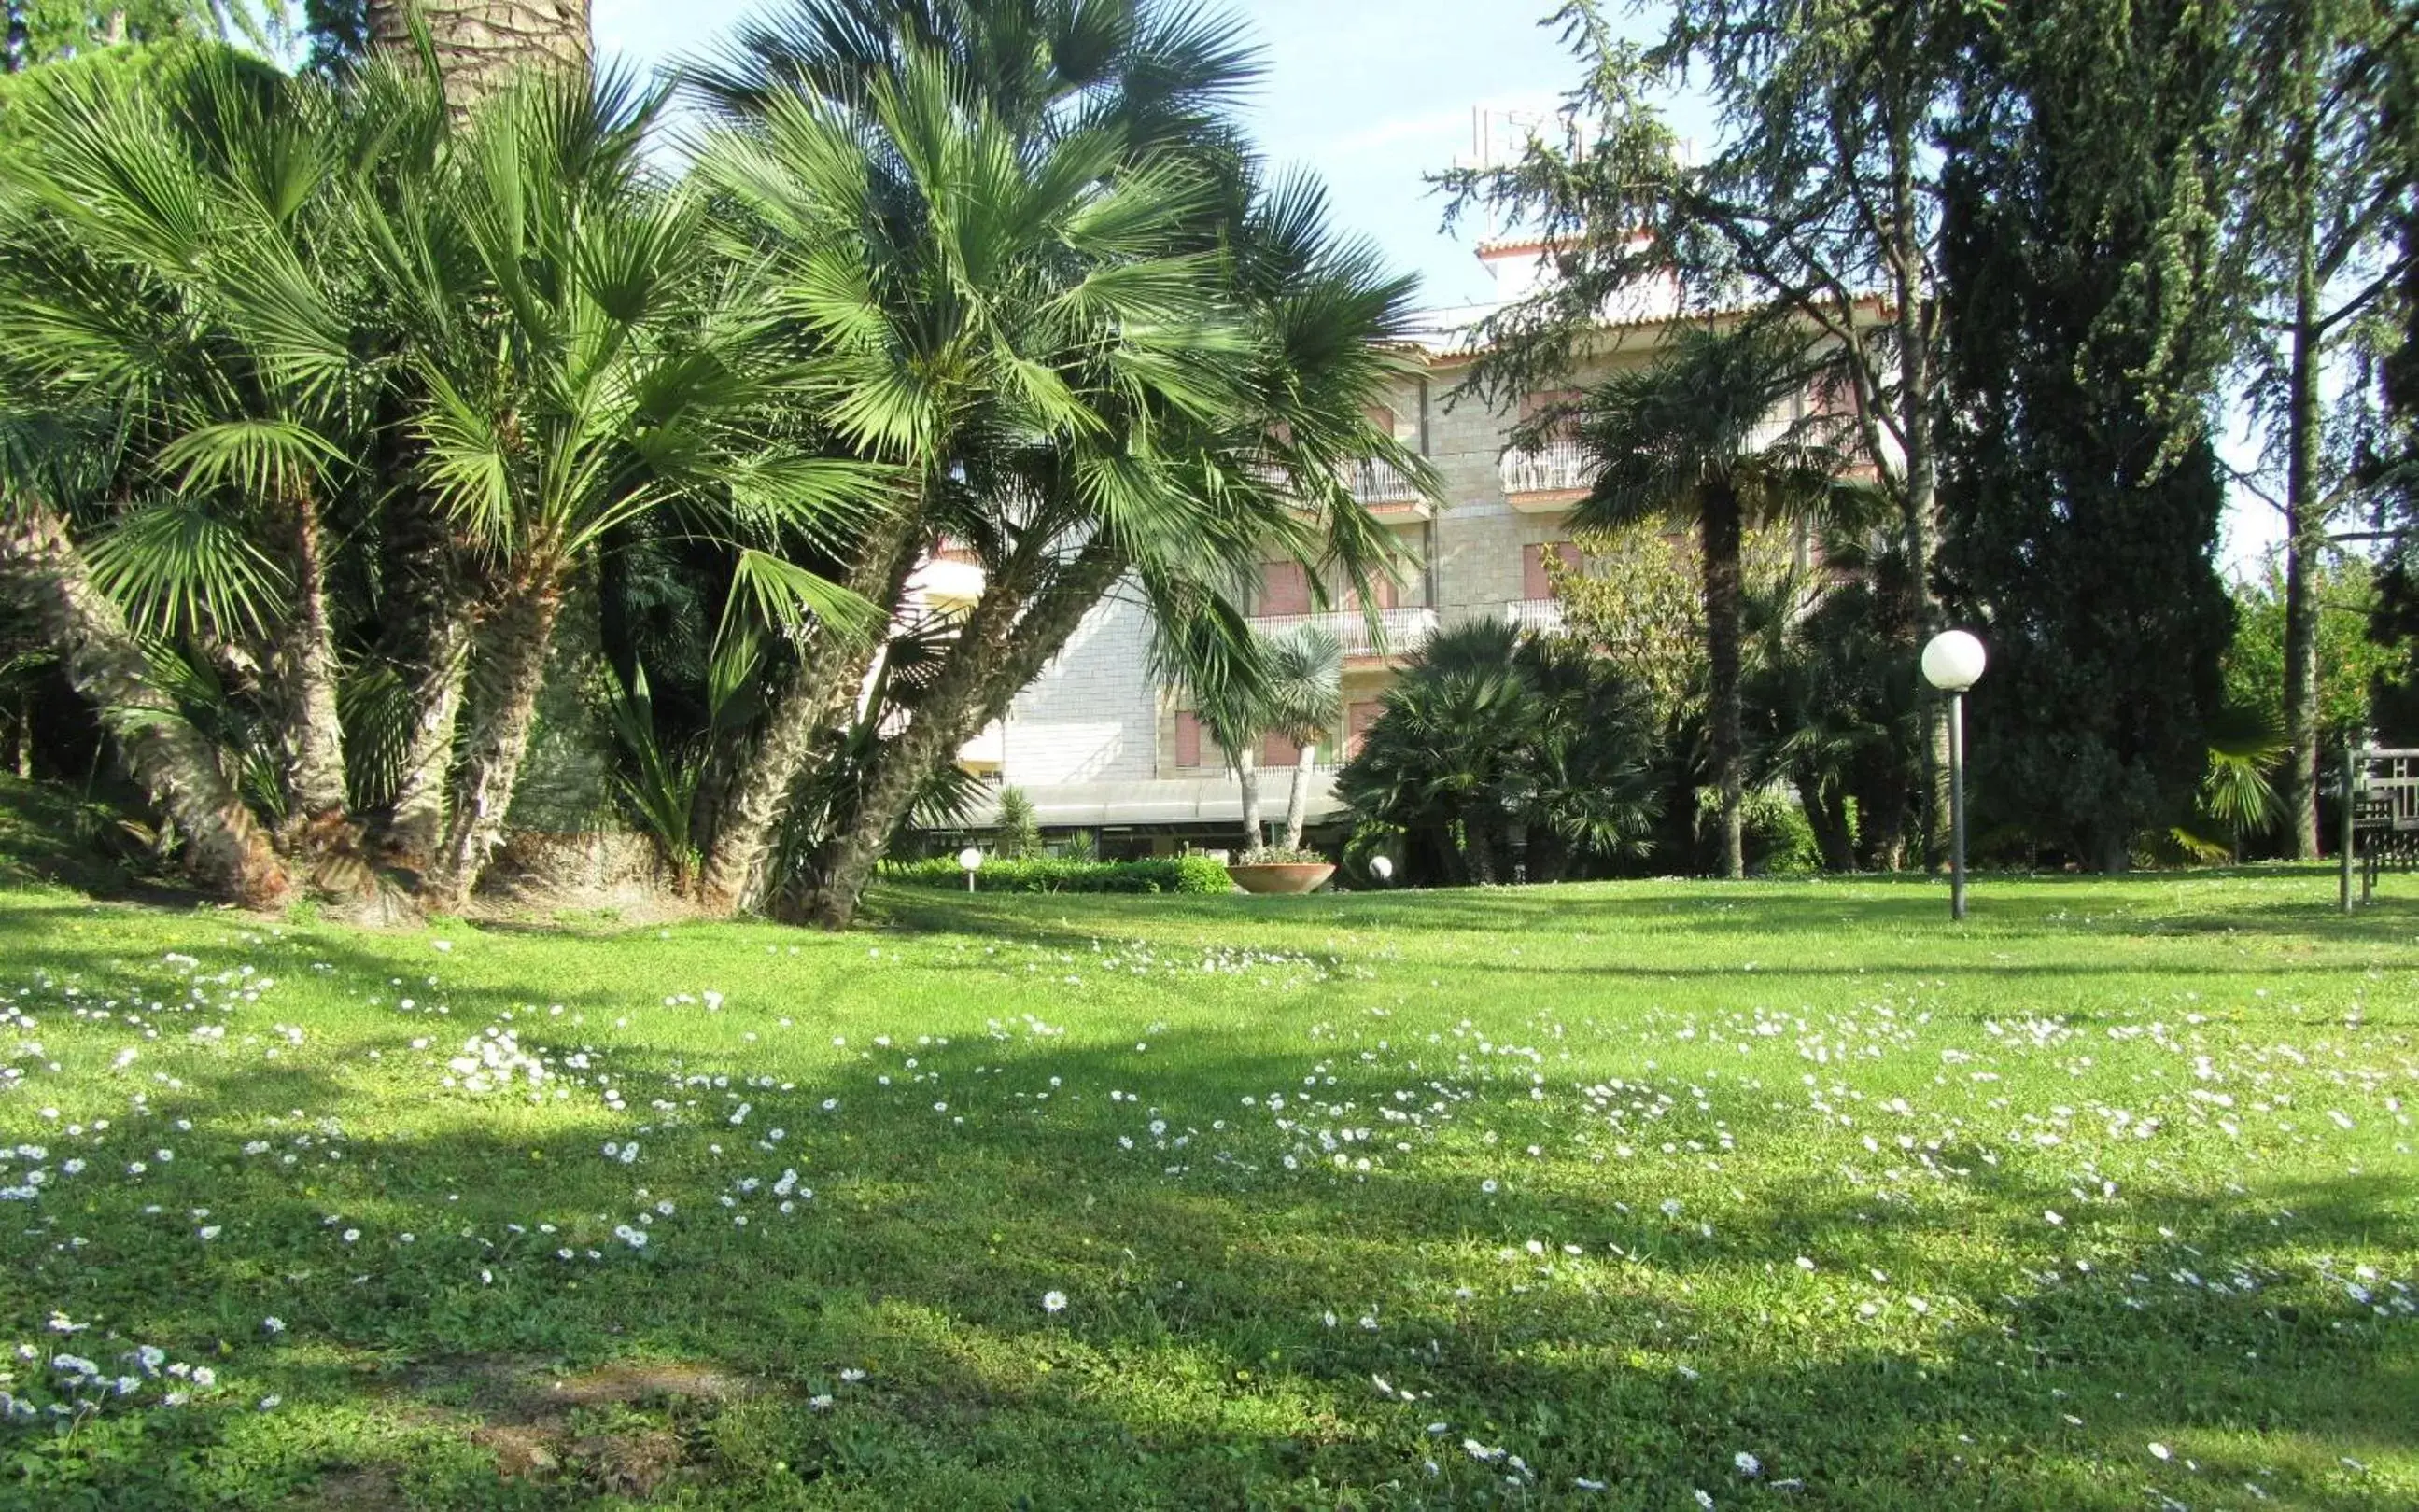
x=1203, y=645
x=1065, y=323
x=581, y=357
x=1303, y=697
x=479, y=45
x=1691, y=440
x=42, y=567
x=189, y=270
x=1489, y=729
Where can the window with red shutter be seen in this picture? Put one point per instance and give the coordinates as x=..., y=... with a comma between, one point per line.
x=1278, y=751
x=1188, y=738
x=1535, y=404
x=1285, y=588
x=1358, y=719
x=1534, y=583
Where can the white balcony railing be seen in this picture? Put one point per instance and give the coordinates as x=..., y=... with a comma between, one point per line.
x=1556, y=468
x=1405, y=630
x=1379, y=482
x=1543, y=616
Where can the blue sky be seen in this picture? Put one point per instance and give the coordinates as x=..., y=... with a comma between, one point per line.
x=1371, y=95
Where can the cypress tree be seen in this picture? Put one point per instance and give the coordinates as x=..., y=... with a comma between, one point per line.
x=2084, y=288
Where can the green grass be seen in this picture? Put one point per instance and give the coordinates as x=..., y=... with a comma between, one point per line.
x=1551, y=1165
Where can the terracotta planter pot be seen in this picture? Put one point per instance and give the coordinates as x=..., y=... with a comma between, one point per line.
x=1291, y=876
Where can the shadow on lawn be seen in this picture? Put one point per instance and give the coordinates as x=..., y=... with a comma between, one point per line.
x=1194, y=1366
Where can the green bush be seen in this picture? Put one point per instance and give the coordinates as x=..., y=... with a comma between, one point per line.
x=1778, y=841
x=1179, y=873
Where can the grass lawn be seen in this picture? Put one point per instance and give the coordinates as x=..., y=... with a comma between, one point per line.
x=1652, y=1195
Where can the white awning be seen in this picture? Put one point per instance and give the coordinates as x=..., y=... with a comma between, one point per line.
x=1172, y=800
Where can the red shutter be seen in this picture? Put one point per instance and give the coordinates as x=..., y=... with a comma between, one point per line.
x=1277, y=750
x=1534, y=584
x=1188, y=739
x=1358, y=718
x=1381, y=418
x=1534, y=404
x=1285, y=588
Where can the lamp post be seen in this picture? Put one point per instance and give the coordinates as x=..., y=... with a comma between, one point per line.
x=1954, y=661
x=1382, y=868
x=971, y=859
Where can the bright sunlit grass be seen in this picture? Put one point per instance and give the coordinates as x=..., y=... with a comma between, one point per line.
x=1620, y=1194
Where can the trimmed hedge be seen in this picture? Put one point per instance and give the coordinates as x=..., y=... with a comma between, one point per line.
x=1180, y=873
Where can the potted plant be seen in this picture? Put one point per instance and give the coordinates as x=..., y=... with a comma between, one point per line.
x=1281, y=869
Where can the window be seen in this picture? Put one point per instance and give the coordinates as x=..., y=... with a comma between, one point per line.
x=1380, y=417
x=1534, y=583
x=1383, y=591
x=1358, y=718
x=1188, y=738
x=1535, y=404
x=1278, y=751
x=1285, y=588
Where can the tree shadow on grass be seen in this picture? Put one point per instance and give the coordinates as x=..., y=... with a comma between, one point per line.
x=1195, y=1365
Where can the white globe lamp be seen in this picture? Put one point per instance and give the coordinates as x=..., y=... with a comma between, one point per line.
x=1954, y=661
x=971, y=859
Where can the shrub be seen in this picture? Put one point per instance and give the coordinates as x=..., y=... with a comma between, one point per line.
x=1177, y=873
x=1283, y=856
x=1780, y=841
x=1018, y=836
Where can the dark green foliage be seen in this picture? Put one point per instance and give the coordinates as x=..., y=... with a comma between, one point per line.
x=2084, y=501
x=1051, y=874
x=1491, y=736
x=2394, y=468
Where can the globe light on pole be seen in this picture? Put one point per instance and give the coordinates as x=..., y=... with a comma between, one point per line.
x=1382, y=868
x=971, y=859
x=1954, y=661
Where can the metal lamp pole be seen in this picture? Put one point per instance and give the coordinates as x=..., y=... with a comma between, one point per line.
x=1953, y=663
x=1957, y=806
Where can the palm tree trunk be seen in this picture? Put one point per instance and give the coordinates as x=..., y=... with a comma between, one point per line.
x=1247, y=777
x=315, y=738
x=508, y=677
x=479, y=44
x=1722, y=530
x=1826, y=814
x=441, y=670
x=103, y=662
x=997, y=654
x=1298, y=801
x=817, y=691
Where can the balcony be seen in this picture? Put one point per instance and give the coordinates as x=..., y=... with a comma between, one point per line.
x=1377, y=486
x=1381, y=488
x=1405, y=630
x=1542, y=616
x=1545, y=481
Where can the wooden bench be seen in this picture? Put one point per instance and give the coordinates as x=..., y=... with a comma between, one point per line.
x=2381, y=819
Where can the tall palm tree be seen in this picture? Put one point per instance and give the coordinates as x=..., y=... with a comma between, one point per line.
x=1065, y=328
x=480, y=45
x=1691, y=440
x=1303, y=697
